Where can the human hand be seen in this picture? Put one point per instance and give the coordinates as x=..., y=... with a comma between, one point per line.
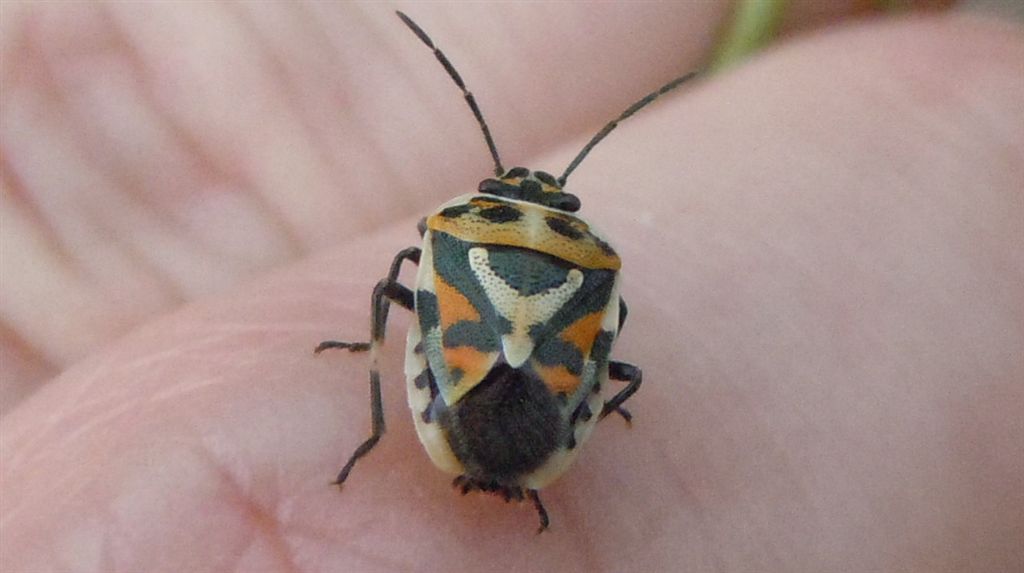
x=821, y=258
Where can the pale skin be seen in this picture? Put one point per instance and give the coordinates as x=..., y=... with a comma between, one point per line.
x=822, y=260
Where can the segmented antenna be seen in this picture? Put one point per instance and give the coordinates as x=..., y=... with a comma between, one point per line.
x=615, y=122
x=498, y=169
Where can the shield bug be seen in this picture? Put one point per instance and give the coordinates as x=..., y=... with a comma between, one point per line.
x=517, y=306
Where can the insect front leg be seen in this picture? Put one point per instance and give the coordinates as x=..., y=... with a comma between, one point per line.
x=388, y=290
x=624, y=372
x=409, y=254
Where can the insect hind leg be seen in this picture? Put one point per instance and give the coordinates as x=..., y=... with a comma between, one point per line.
x=625, y=372
x=339, y=345
x=388, y=290
x=542, y=513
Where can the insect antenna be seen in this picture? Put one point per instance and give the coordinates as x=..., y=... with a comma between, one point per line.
x=448, y=67
x=615, y=122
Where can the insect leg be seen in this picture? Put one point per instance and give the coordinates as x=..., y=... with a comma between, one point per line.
x=387, y=290
x=541, y=512
x=410, y=254
x=625, y=372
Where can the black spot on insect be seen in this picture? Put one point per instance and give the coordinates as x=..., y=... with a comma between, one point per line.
x=455, y=211
x=546, y=178
x=597, y=388
x=571, y=442
x=564, y=201
x=563, y=227
x=418, y=349
x=426, y=379
x=495, y=187
x=423, y=379
x=500, y=189
x=501, y=214
x=456, y=375
x=605, y=247
x=516, y=172
x=431, y=413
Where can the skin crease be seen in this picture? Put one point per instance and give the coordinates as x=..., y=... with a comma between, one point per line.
x=821, y=257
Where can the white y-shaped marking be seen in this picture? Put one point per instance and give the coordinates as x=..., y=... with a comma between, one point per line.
x=522, y=311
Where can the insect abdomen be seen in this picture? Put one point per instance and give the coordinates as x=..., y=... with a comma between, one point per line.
x=505, y=427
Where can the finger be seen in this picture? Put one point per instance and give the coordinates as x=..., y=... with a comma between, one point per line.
x=212, y=428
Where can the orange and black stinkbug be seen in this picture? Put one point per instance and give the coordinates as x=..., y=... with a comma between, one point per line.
x=517, y=306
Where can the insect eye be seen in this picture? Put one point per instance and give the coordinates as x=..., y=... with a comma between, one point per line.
x=565, y=202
